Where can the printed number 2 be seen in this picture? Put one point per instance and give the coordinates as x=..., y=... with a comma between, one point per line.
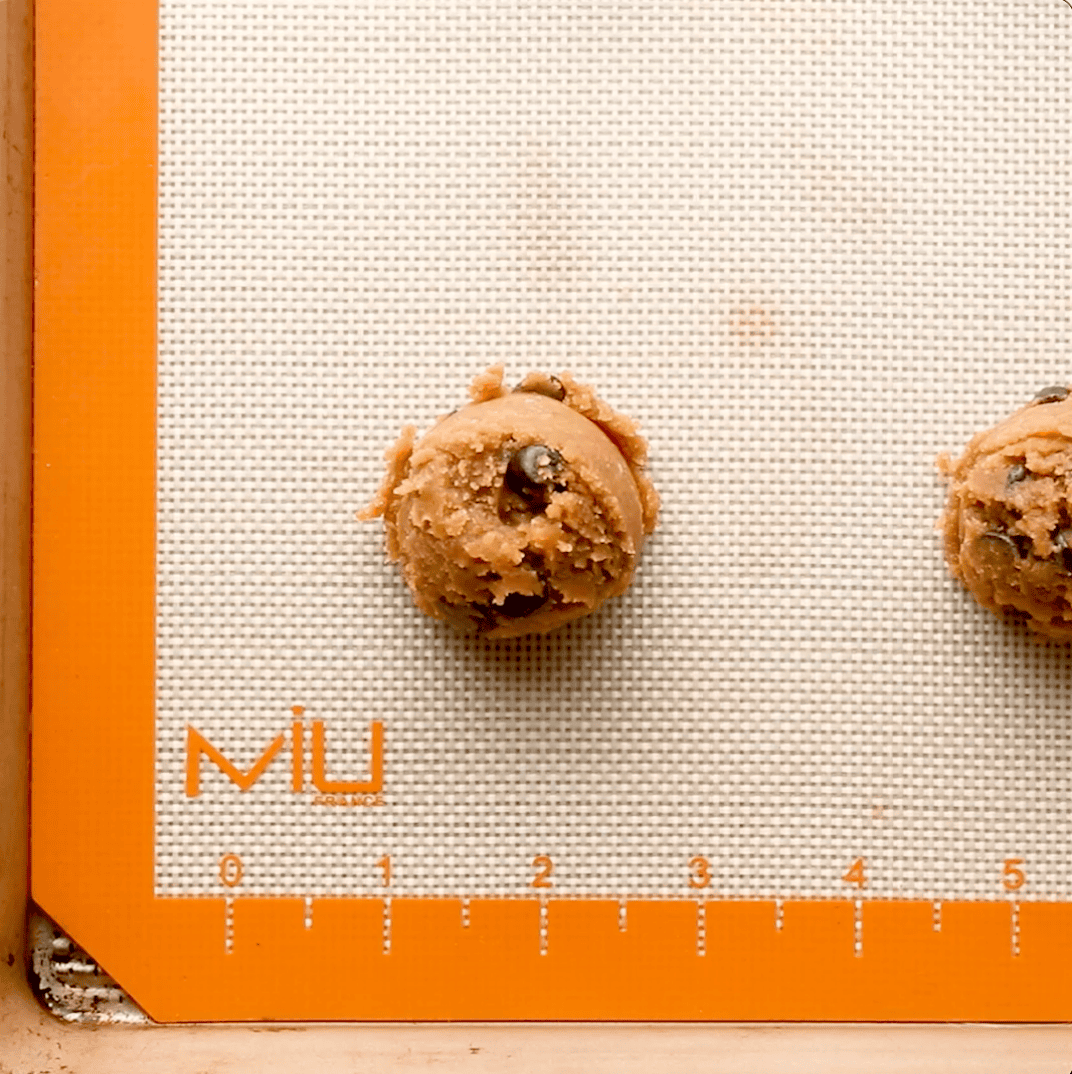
x=1012, y=877
x=856, y=874
x=699, y=872
x=544, y=868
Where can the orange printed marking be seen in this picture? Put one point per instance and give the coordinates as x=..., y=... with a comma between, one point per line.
x=386, y=926
x=699, y=872
x=297, y=755
x=231, y=870
x=228, y=924
x=371, y=786
x=197, y=746
x=385, y=864
x=544, y=868
x=856, y=874
x=1013, y=877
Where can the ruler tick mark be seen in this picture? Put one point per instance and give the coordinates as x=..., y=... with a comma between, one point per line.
x=622, y=919
x=1014, y=928
x=779, y=914
x=858, y=927
x=936, y=915
x=543, y=926
x=308, y=911
x=228, y=924
x=701, y=928
x=465, y=913
x=387, y=925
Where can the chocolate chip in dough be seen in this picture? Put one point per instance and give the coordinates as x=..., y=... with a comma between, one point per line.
x=1063, y=540
x=1056, y=393
x=531, y=472
x=543, y=384
x=518, y=605
x=1018, y=615
x=1002, y=540
x=1017, y=473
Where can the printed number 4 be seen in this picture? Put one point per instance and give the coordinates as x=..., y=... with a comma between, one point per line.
x=856, y=874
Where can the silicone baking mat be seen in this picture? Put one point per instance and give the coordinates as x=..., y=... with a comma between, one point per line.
x=794, y=772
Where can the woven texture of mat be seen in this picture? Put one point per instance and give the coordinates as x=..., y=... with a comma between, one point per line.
x=808, y=245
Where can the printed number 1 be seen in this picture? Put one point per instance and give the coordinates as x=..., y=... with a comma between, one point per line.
x=385, y=864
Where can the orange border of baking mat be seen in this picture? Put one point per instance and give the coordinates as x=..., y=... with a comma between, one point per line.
x=93, y=619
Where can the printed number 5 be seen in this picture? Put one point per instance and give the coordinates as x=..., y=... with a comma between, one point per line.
x=1013, y=878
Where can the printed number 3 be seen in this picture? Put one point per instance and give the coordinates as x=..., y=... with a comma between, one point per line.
x=1012, y=877
x=699, y=872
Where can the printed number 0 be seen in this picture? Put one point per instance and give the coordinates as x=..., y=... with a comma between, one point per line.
x=544, y=868
x=231, y=870
x=699, y=872
x=1012, y=877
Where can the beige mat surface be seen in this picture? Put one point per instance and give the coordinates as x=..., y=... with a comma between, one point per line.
x=809, y=246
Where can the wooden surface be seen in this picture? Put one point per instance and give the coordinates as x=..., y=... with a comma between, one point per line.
x=31, y=1040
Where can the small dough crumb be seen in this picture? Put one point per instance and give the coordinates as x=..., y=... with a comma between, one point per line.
x=1008, y=520
x=521, y=511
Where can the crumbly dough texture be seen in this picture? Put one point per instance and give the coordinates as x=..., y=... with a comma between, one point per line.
x=1008, y=520
x=521, y=511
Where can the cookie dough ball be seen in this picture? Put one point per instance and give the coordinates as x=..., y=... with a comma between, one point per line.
x=1008, y=521
x=521, y=511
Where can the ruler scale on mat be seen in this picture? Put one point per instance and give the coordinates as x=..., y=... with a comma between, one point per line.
x=794, y=772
